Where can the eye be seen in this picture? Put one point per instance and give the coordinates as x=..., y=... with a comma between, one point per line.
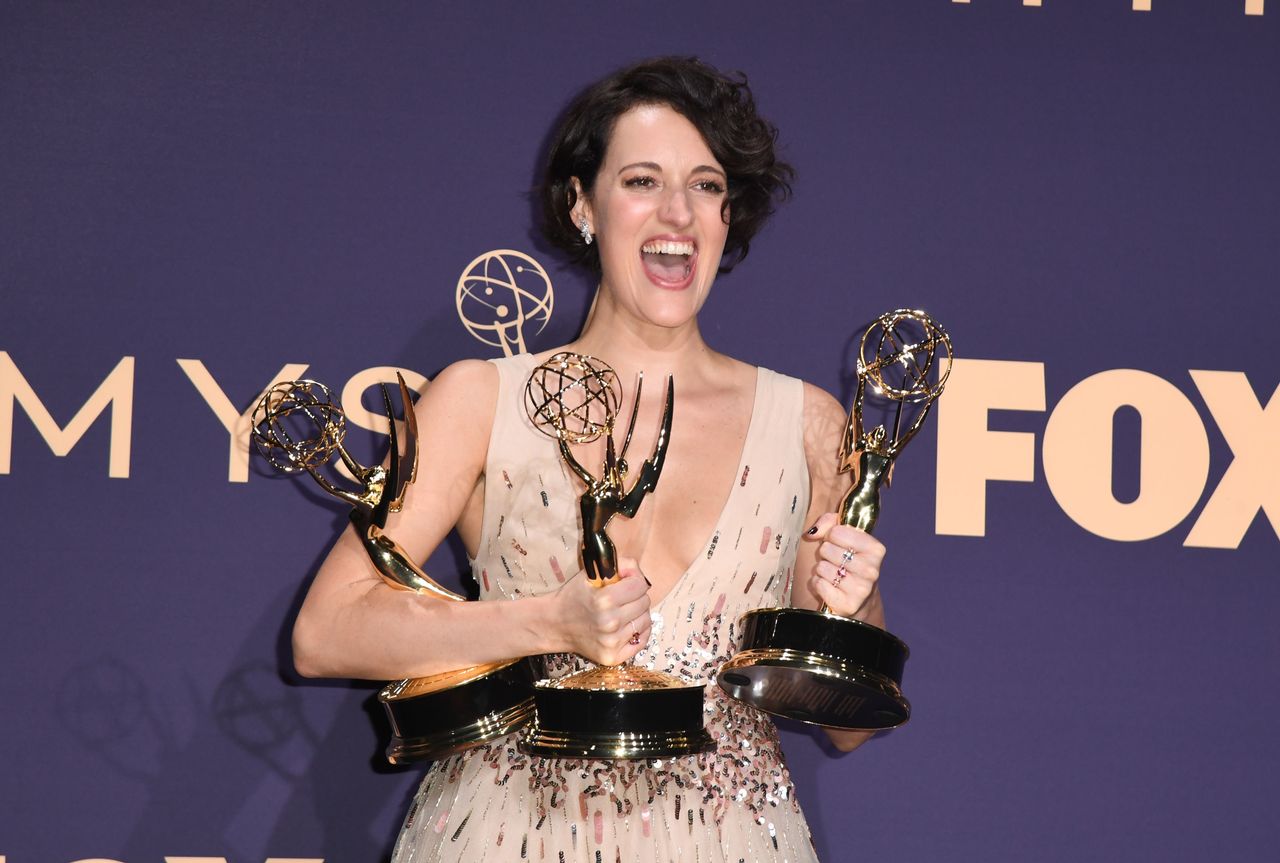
x=640, y=182
x=715, y=187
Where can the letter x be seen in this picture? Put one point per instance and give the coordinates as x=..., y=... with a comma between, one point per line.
x=1252, y=480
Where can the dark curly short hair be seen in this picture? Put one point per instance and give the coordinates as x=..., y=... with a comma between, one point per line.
x=719, y=106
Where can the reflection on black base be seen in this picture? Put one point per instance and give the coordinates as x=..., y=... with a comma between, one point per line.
x=819, y=668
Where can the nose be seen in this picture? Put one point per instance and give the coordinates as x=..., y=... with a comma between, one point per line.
x=676, y=209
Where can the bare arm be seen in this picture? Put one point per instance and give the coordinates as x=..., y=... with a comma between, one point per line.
x=856, y=596
x=353, y=624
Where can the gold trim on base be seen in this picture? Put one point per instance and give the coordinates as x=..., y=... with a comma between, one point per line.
x=617, y=678
x=436, y=746
x=582, y=744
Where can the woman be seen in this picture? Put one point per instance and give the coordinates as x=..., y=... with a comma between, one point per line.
x=658, y=176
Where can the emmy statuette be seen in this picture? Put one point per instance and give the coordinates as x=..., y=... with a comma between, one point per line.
x=816, y=666
x=298, y=427
x=621, y=711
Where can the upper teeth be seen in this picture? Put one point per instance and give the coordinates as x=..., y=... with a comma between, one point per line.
x=667, y=247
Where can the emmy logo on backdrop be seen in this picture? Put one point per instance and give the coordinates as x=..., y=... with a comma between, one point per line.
x=819, y=667
x=606, y=712
x=298, y=428
x=499, y=293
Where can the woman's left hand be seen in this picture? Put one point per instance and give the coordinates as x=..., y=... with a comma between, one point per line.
x=848, y=565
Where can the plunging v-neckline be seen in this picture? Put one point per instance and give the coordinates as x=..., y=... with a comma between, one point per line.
x=747, y=440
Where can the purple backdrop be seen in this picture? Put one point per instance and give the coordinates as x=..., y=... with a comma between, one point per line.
x=212, y=191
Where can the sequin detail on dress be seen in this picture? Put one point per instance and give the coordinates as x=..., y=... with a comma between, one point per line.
x=494, y=804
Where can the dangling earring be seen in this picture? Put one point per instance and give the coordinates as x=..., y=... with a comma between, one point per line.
x=585, y=229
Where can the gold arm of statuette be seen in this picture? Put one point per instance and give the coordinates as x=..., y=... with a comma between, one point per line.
x=397, y=568
x=651, y=470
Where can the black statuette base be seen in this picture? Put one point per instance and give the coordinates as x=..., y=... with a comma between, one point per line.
x=819, y=668
x=436, y=724
x=611, y=724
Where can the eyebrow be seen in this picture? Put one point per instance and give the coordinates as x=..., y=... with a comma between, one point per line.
x=654, y=166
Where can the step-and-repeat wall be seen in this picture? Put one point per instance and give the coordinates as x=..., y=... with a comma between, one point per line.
x=199, y=199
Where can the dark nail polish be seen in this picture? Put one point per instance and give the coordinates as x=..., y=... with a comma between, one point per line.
x=812, y=530
x=646, y=580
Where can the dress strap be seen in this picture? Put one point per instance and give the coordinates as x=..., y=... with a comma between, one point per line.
x=784, y=408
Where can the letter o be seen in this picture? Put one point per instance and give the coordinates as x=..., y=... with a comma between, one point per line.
x=1174, y=463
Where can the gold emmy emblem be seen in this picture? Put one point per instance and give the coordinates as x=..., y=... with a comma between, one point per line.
x=905, y=357
x=819, y=667
x=499, y=293
x=621, y=711
x=298, y=427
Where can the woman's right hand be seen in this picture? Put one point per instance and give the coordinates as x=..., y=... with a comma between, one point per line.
x=607, y=625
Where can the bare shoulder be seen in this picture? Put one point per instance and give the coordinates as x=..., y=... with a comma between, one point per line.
x=821, y=405
x=824, y=422
x=824, y=425
x=465, y=377
x=455, y=418
x=462, y=393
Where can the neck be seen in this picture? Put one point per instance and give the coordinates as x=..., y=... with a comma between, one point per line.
x=631, y=345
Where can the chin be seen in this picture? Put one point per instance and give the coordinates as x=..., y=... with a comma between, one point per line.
x=672, y=308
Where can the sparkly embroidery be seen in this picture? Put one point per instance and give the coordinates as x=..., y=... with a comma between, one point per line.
x=733, y=804
x=747, y=741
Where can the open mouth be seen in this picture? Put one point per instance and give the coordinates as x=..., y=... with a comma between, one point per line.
x=669, y=263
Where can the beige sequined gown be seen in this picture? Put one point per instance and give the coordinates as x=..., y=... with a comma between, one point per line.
x=493, y=804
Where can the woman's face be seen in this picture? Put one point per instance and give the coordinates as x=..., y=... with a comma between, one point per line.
x=656, y=214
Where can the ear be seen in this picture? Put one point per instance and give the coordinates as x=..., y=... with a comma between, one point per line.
x=581, y=208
